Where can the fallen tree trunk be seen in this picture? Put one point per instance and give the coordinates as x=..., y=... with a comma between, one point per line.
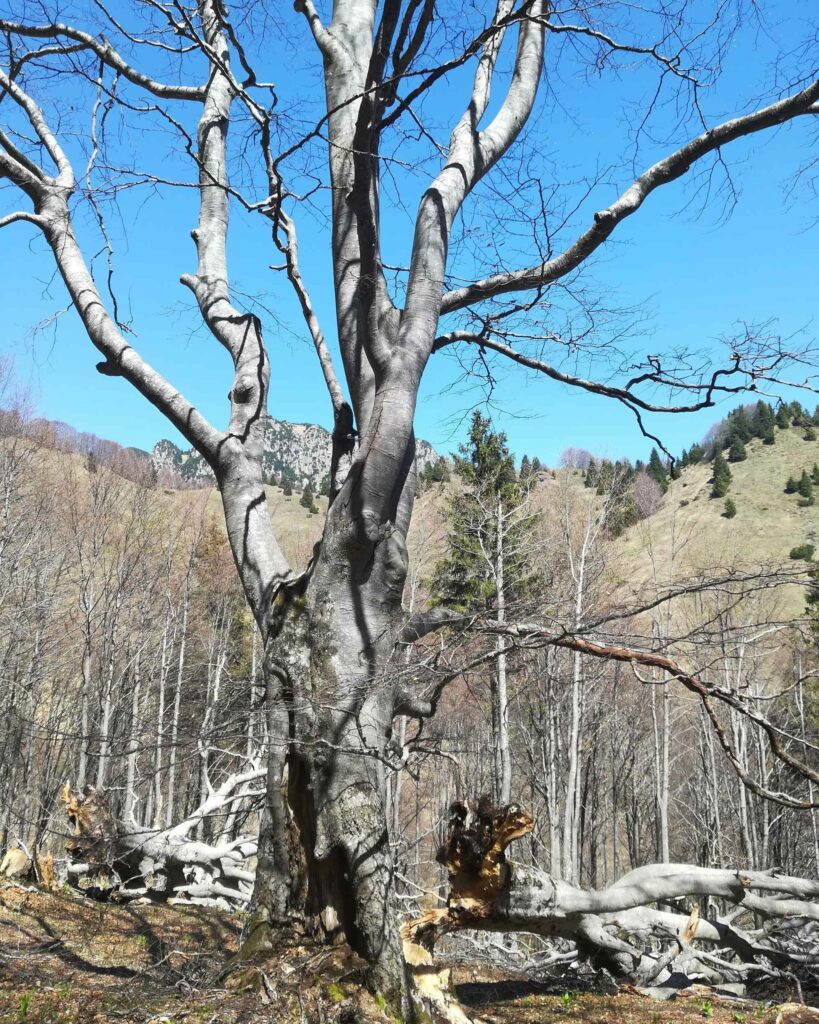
x=615, y=928
x=163, y=863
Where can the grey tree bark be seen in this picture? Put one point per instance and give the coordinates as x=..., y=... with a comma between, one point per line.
x=328, y=634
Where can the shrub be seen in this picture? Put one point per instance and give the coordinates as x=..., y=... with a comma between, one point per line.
x=792, y=485
x=810, y=434
x=730, y=509
x=804, y=551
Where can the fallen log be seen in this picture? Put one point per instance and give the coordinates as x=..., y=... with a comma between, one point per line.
x=164, y=863
x=616, y=928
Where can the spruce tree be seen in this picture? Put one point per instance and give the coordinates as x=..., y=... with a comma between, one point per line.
x=656, y=470
x=783, y=420
x=308, y=499
x=763, y=419
x=738, y=427
x=720, y=476
x=792, y=485
x=737, y=453
x=730, y=509
x=525, y=468
x=491, y=491
x=536, y=466
x=805, y=489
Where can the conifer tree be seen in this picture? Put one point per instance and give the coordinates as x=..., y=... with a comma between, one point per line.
x=525, y=468
x=792, y=485
x=763, y=420
x=737, y=453
x=536, y=466
x=783, y=419
x=489, y=563
x=720, y=476
x=805, y=489
x=308, y=499
x=656, y=470
x=730, y=508
x=738, y=428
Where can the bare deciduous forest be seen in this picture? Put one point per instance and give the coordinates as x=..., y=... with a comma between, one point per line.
x=496, y=718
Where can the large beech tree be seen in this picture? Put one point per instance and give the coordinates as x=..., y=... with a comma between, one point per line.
x=330, y=628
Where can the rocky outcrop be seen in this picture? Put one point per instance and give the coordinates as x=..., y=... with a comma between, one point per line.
x=298, y=452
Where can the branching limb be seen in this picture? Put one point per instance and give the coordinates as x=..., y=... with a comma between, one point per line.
x=605, y=221
x=103, y=49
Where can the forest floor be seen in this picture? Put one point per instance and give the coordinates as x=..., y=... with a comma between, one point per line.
x=67, y=960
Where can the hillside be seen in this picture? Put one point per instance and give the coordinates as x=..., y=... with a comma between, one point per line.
x=687, y=532
x=690, y=532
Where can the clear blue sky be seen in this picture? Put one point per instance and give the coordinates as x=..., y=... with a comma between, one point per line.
x=693, y=277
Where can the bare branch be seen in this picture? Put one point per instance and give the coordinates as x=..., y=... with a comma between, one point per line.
x=605, y=221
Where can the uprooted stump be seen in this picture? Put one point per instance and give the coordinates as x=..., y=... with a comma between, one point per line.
x=159, y=863
x=619, y=928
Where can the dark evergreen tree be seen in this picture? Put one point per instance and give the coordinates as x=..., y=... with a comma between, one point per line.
x=720, y=476
x=491, y=490
x=287, y=487
x=810, y=434
x=763, y=419
x=737, y=453
x=656, y=470
x=805, y=489
x=308, y=499
x=783, y=419
x=797, y=414
x=525, y=468
x=536, y=466
x=730, y=509
x=91, y=462
x=792, y=485
x=738, y=428
x=695, y=454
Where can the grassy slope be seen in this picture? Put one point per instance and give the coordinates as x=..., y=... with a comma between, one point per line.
x=767, y=525
x=691, y=533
